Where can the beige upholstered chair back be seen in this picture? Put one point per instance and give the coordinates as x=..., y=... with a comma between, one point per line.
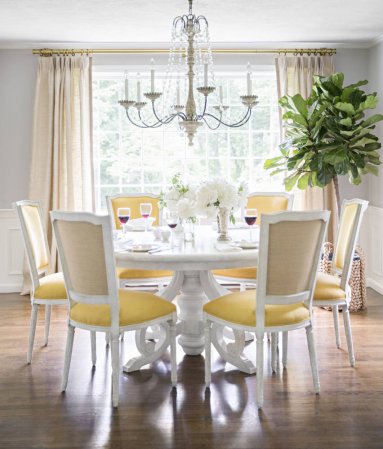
x=290, y=248
x=348, y=231
x=291, y=256
x=85, y=248
x=133, y=201
x=269, y=202
x=34, y=237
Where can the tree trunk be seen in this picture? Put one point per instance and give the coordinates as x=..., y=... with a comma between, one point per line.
x=336, y=186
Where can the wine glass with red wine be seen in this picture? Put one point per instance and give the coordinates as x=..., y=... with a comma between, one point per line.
x=250, y=218
x=172, y=222
x=123, y=214
x=146, y=210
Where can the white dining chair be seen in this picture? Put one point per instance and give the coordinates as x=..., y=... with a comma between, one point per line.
x=128, y=276
x=333, y=289
x=265, y=203
x=86, y=252
x=47, y=289
x=289, y=253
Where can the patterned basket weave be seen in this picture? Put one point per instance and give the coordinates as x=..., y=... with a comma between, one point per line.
x=357, y=279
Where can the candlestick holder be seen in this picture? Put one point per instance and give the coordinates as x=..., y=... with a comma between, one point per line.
x=221, y=108
x=153, y=96
x=139, y=105
x=178, y=107
x=206, y=90
x=249, y=100
x=127, y=103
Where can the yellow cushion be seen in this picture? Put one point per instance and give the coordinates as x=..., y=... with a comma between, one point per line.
x=127, y=273
x=51, y=287
x=135, y=307
x=239, y=308
x=328, y=287
x=244, y=273
x=134, y=204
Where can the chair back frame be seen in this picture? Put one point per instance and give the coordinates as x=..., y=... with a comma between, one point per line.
x=110, y=198
x=361, y=208
x=304, y=296
x=75, y=297
x=34, y=271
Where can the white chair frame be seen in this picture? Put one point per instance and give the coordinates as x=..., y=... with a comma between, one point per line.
x=36, y=275
x=168, y=321
x=243, y=282
x=159, y=282
x=345, y=277
x=263, y=299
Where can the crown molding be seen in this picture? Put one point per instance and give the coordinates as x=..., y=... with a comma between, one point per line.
x=21, y=45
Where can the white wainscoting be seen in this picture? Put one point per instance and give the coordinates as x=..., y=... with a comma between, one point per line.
x=11, y=252
x=371, y=240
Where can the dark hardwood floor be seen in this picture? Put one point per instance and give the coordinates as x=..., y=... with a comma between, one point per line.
x=34, y=414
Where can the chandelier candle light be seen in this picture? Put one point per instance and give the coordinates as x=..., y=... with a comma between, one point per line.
x=190, y=56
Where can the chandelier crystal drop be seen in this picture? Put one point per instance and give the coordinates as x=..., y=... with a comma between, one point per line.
x=190, y=64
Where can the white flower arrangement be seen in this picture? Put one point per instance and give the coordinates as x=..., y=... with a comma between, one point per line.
x=180, y=198
x=216, y=194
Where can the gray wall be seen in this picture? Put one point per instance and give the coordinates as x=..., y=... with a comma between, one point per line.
x=17, y=84
x=376, y=84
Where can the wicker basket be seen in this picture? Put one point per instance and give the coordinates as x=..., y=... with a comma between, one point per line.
x=357, y=279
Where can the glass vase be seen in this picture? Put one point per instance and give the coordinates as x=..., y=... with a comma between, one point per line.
x=189, y=231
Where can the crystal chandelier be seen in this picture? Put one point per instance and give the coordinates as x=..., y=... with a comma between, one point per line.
x=190, y=62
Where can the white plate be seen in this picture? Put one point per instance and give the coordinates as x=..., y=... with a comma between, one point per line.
x=143, y=248
x=138, y=228
x=247, y=245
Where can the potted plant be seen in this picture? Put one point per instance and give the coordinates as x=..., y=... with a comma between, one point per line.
x=327, y=135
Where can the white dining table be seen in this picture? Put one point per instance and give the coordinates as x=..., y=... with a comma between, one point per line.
x=192, y=285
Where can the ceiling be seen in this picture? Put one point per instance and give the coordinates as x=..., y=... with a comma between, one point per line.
x=24, y=23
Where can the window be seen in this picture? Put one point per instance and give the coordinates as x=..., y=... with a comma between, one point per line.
x=129, y=159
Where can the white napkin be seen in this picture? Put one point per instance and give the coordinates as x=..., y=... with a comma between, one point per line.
x=226, y=248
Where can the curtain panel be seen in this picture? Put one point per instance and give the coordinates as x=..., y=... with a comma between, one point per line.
x=61, y=172
x=295, y=76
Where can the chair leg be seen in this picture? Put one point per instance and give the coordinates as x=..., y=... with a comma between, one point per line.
x=347, y=328
x=173, y=353
x=115, y=368
x=68, y=356
x=259, y=400
x=274, y=351
x=48, y=310
x=32, y=332
x=93, y=347
x=285, y=345
x=335, y=314
x=313, y=358
x=207, y=353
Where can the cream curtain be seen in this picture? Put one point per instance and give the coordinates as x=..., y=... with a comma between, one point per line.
x=295, y=75
x=61, y=173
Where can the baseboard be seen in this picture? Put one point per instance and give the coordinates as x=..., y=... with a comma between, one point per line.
x=10, y=288
x=377, y=286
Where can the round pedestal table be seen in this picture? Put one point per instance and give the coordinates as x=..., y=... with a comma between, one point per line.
x=194, y=285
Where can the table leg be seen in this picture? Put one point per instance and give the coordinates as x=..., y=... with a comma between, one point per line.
x=190, y=302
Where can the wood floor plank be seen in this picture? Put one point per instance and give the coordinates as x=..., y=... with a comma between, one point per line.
x=34, y=414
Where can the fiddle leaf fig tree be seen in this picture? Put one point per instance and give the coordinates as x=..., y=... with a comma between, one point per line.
x=327, y=135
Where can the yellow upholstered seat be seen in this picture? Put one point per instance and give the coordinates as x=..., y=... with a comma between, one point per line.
x=135, y=307
x=328, y=287
x=239, y=308
x=243, y=273
x=51, y=287
x=128, y=273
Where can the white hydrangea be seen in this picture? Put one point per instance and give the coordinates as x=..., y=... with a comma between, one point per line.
x=186, y=208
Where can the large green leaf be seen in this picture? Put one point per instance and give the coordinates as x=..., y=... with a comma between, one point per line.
x=303, y=181
x=370, y=103
x=372, y=120
x=345, y=107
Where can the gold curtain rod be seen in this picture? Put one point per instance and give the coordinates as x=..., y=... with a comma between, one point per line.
x=95, y=51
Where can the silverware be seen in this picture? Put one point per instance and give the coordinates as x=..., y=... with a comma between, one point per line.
x=157, y=250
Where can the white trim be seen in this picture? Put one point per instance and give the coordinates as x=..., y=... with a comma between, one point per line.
x=374, y=284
